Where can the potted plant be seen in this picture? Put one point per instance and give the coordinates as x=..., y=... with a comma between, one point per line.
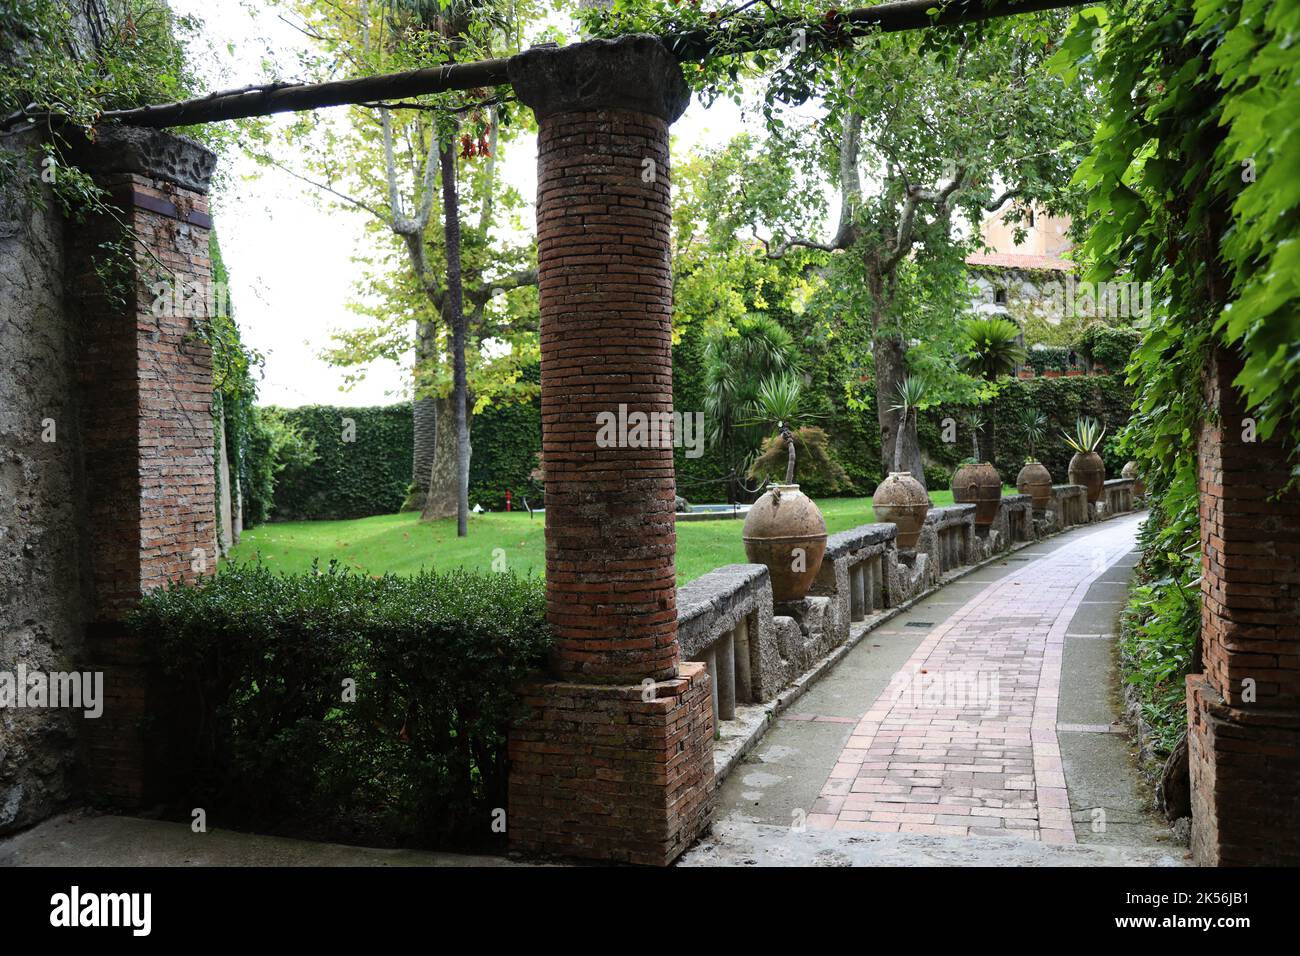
x=1025, y=372
x=976, y=482
x=1131, y=471
x=1086, y=467
x=901, y=498
x=1034, y=478
x=1053, y=370
x=784, y=529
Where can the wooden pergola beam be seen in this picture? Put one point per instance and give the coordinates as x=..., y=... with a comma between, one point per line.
x=747, y=35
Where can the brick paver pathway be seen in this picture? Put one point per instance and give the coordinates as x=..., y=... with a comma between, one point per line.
x=963, y=742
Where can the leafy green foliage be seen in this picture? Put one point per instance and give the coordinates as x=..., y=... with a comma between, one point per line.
x=264, y=730
x=1109, y=347
x=991, y=347
x=362, y=465
x=272, y=443
x=1061, y=400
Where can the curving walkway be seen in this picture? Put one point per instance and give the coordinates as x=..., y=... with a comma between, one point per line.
x=948, y=723
x=963, y=742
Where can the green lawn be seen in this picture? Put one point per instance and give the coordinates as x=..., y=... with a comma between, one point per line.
x=402, y=545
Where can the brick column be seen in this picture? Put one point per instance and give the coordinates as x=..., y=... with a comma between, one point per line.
x=146, y=429
x=1244, y=708
x=615, y=761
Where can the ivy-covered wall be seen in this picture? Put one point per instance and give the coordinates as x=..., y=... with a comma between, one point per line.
x=362, y=468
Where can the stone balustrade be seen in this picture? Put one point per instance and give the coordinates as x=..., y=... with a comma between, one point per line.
x=948, y=536
x=854, y=575
x=724, y=619
x=753, y=649
x=1068, y=507
x=1118, y=495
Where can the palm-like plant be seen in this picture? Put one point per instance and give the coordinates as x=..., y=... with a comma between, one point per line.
x=992, y=349
x=974, y=422
x=1034, y=424
x=777, y=404
x=1088, y=433
x=911, y=393
x=737, y=362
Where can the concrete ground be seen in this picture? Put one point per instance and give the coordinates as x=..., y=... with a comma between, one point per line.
x=88, y=839
x=774, y=807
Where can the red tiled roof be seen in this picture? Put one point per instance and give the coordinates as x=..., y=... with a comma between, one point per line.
x=1018, y=261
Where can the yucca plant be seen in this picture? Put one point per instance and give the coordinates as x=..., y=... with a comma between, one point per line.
x=1034, y=424
x=974, y=423
x=1088, y=433
x=777, y=403
x=911, y=393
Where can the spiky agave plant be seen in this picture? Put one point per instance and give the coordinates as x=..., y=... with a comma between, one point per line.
x=1088, y=433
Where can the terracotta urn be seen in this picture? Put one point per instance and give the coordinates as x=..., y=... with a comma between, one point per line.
x=785, y=531
x=1036, y=481
x=979, y=485
x=1131, y=471
x=902, y=500
x=1089, y=470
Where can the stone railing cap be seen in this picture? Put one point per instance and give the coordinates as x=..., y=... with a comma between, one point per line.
x=635, y=72
x=710, y=591
x=862, y=536
x=946, y=512
x=147, y=152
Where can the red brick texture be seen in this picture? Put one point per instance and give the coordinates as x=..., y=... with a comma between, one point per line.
x=596, y=769
x=605, y=295
x=147, y=387
x=1244, y=708
x=147, y=437
x=598, y=772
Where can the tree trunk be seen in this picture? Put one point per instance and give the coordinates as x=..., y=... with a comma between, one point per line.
x=986, y=438
x=424, y=415
x=440, y=500
x=889, y=351
x=456, y=308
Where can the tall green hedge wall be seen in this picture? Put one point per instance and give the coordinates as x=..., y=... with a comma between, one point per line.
x=1104, y=397
x=367, y=476
x=371, y=475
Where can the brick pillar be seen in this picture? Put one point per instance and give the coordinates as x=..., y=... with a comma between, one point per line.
x=615, y=761
x=1244, y=708
x=146, y=429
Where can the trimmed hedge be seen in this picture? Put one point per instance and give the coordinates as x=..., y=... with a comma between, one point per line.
x=1104, y=397
x=506, y=442
x=262, y=732
x=349, y=479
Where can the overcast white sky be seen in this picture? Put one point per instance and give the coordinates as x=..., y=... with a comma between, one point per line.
x=289, y=256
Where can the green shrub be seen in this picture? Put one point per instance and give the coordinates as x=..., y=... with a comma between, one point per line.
x=272, y=444
x=362, y=469
x=1159, y=627
x=1049, y=358
x=262, y=733
x=1062, y=400
x=1109, y=347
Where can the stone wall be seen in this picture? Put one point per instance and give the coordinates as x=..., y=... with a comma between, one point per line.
x=42, y=605
x=106, y=459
